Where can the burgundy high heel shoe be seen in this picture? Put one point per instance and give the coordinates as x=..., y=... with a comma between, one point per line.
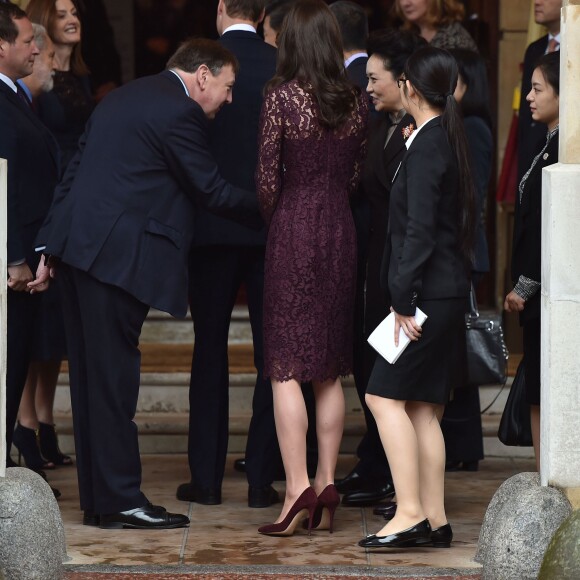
x=328, y=501
x=303, y=507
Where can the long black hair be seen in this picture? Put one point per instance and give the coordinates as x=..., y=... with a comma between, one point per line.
x=475, y=101
x=433, y=73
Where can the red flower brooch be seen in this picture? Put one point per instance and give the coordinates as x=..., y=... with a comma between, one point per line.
x=408, y=131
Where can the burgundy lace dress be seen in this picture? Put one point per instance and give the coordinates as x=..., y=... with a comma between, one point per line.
x=304, y=177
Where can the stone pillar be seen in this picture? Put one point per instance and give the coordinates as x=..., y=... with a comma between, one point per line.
x=560, y=409
x=3, y=293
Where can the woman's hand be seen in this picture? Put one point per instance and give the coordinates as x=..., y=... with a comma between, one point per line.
x=514, y=302
x=409, y=326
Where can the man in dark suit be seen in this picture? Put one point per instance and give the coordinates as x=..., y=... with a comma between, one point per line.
x=370, y=481
x=121, y=224
x=532, y=135
x=225, y=256
x=32, y=176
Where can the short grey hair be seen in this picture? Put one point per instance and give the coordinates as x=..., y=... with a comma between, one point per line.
x=40, y=36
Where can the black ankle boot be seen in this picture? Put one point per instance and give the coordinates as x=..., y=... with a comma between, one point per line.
x=26, y=441
x=49, y=448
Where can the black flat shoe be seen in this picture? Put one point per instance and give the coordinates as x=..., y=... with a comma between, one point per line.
x=262, y=497
x=353, y=482
x=441, y=537
x=143, y=518
x=387, y=510
x=462, y=466
x=240, y=465
x=368, y=497
x=90, y=518
x=417, y=535
x=206, y=496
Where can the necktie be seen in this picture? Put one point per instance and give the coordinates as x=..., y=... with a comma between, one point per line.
x=20, y=92
x=553, y=45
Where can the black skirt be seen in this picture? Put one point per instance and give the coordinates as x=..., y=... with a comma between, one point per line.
x=428, y=368
x=532, y=347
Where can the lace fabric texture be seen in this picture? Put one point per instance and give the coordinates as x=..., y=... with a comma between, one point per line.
x=304, y=177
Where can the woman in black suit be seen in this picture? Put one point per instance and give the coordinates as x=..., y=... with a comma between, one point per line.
x=461, y=424
x=527, y=247
x=427, y=262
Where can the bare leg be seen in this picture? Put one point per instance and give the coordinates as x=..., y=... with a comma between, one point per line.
x=27, y=410
x=535, y=423
x=424, y=417
x=401, y=447
x=47, y=377
x=329, y=427
x=291, y=426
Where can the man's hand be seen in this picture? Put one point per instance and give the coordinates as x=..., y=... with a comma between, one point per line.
x=409, y=326
x=19, y=277
x=43, y=275
x=514, y=302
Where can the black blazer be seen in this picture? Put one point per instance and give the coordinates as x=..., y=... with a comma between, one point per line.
x=422, y=243
x=234, y=136
x=32, y=156
x=125, y=210
x=527, y=240
x=531, y=135
x=379, y=170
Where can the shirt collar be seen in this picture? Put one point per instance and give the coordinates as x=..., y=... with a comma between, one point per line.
x=356, y=55
x=244, y=27
x=180, y=80
x=556, y=37
x=9, y=82
x=416, y=132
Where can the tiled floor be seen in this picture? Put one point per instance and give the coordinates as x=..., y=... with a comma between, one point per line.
x=222, y=541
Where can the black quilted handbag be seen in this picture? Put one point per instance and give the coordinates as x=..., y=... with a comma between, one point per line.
x=487, y=353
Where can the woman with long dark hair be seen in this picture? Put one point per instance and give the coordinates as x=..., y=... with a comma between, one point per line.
x=312, y=143
x=461, y=424
x=426, y=266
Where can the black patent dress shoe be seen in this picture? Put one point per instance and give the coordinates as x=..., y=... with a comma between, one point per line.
x=204, y=495
x=441, y=537
x=261, y=497
x=147, y=517
x=462, y=466
x=368, y=497
x=90, y=518
x=353, y=482
x=387, y=510
x=240, y=465
x=415, y=536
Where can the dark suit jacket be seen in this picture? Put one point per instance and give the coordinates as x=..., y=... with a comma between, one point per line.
x=379, y=170
x=531, y=135
x=425, y=262
x=32, y=156
x=124, y=212
x=234, y=136
x=480, y=141
x=527, y=240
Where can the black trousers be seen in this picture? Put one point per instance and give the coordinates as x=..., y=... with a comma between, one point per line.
x=22, y=313
x=103, y=324
x=217, y=273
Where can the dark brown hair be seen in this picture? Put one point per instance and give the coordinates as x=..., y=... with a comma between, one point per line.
x=44, y=12
x=8, y=14
x=310, y=51
x=433, y=73
x=247, y=9
x=439, y=13
x=197, y=51
x=549, y=65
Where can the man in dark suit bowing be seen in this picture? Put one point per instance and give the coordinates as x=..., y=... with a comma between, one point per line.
x=121, y=224
x=32, y=158
x=225, y=256
x=532, y=135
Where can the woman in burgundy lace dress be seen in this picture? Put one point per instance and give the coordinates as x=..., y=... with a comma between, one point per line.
x=312, y=142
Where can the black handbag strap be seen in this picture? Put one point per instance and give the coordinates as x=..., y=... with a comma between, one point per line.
x=473, y=311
